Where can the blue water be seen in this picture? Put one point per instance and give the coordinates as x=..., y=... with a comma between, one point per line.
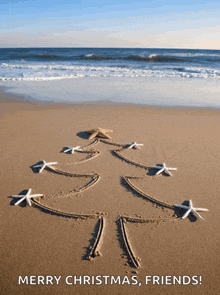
x=40, y=64
x=168, y=77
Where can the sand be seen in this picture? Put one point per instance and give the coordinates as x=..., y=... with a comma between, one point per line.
x=42, y=245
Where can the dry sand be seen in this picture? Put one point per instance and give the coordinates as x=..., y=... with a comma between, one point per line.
x=41, y=243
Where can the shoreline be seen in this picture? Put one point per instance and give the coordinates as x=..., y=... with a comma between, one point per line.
x=129, y=91
x=11, y=98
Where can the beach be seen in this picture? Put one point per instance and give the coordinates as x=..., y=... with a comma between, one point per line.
x=46, y=247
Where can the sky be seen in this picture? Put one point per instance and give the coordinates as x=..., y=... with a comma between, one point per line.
x=84, y=23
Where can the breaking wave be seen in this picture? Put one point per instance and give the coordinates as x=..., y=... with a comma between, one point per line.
x=34, y=64
x=42, y=72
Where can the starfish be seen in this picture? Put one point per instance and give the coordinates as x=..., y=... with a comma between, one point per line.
x=164, y=168
x=134, y=145
x=26, y=197
x=190, y=208
x=44, y=165
x=99, y=132
x=72, y=149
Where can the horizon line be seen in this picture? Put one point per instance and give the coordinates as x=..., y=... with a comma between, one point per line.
x=94, y=47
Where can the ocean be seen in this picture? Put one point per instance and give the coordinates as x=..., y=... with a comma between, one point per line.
x=142, y=76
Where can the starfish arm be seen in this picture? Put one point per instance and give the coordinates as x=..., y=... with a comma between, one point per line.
x=186, y=214
x=42, y=168
x=160, y=171
x=201, y=209
x=131, y=146
x=37, y=166
x=50, y=167
x=102, y=130
x=94, y=134
x=182, y=206
x=66, y=151
x=102, y=134
x=196, y=213
x=69, y=149
x=78, y=149
x=21, y=200
x=28, y=201
x=167, y=171
x=17, y=196
x=28, y=192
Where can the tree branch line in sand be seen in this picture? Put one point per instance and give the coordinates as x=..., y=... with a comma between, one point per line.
x=102, y=134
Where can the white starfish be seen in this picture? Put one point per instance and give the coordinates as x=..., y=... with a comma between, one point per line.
x=26, y=197
x=190, y=208
x=164, y=168
x=72, y=149
x=44, y=165
x=134, y=145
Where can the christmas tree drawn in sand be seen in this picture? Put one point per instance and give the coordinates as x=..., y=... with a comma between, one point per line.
x=94, y=249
